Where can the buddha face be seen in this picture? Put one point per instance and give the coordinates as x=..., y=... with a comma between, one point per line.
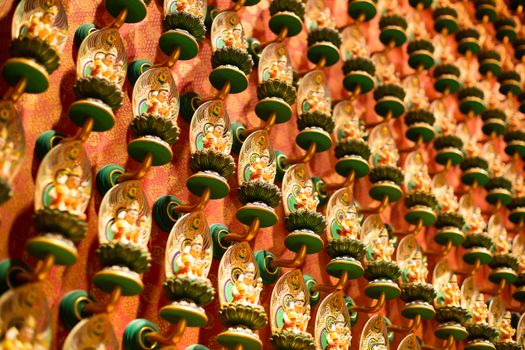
x=196, y=249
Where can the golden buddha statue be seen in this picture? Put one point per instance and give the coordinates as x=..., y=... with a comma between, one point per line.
x=479, y=310
x=382, y=247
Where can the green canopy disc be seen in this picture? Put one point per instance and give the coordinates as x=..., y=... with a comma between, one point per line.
x=510, y=86
x=358, y=79
x=63, y=250
x=363, y=10
x=194, y=315
x=71, y=306
x=447, y=82
x=411, y=310
x=449, y=233
x=198, y=183
x=170, y=40
x=471, y=103
x=517, y=215
x=515, y=146
x=383, y=189
x=394, y=34
x=472, y=175
x=477, y=253
x=268, y=274
x=230, y=338
x=519, y=294
x=507, y=32
x=423, y=213
x=161, y=152
x=421, y=58
x=82, y=110
x=36, y=76
x=455, y=155
x=337, y=266
x=355, y=163
x=128, y=281
x=469, y=44
x=375, y=288
x=107, y=177
x=288, y=20
x=136, y=9
x=479, y=344
x=46, y=141
x=9, y=269
x=490, y=65
x=323, y=50
x=228, y=73
x=423, y=130
x=315, y=135
x=499, y=194
x=218, y=231
x=280, y=157
x=266, y=215
x=494, y=125
x=450, y=23
x=486, y=10
x=268, y=105
x=134, y=337
x=295, y=240
x=390, y=104
x=503, y=273
x=457, y=331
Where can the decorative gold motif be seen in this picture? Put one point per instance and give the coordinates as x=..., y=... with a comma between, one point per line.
x=25, y=318
x=64, y=180
x=124, y=215
x=95, y=332
x=189, y=250
x=274, y=64
x=102, y=55
x=298, y=190
x=374, y=334
x=290, y=306
x=256, y=159
x=313, y=94
x=332, y=324
x=227, y=31
x=411, y=260
x=343, y=216
x=375, y=235
x=155, y=92
x=45, y=20
x=210, y=128
x=238, y=276
x=383, y=147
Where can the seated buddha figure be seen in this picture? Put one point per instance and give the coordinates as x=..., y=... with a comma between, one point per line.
x=306, y=199
x=479, y=310
x=193, y=259
x=259, y=169
x=338, y=337
x=128, y=224
x=296, y=314
x=416, y=269
x=246, y=289
x=450, y=292
x=350, y=224
x=68, y=193
x=381, y=247
x=506, y=331
x=214, y=138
